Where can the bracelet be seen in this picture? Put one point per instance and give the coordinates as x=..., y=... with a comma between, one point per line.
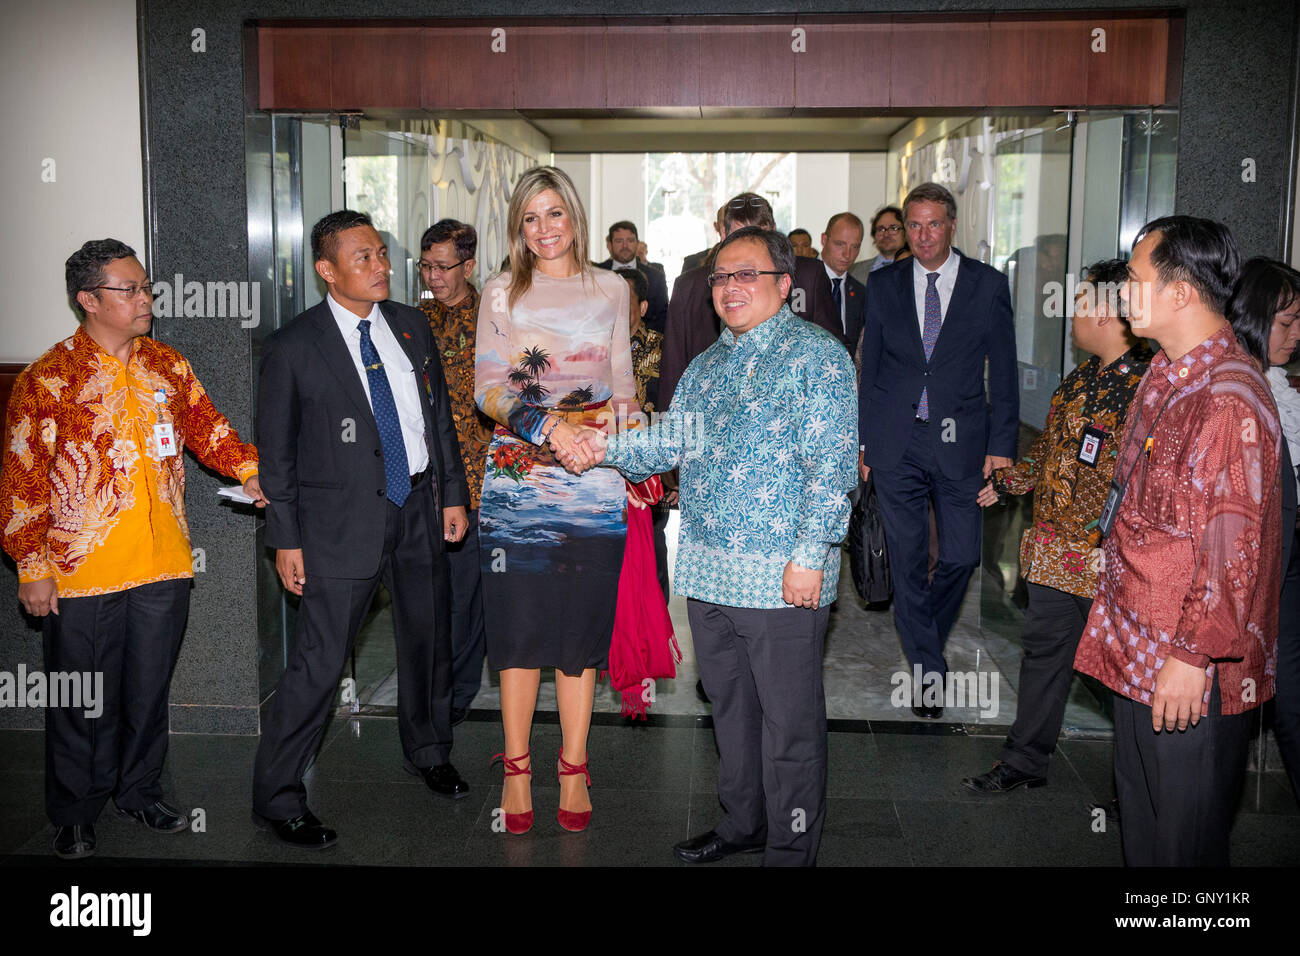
x=546, y=435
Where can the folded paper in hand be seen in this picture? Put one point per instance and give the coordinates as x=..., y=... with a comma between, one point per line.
x=235, y=493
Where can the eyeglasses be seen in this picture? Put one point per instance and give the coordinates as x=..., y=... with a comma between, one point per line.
x=893, y=230
x=744, y=276
x=740, y=203
x=434, y=267
x=130, y=291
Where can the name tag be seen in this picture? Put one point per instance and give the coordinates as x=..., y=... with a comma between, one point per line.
x=1110, y=508
x=164, y=439
x=1090, y=447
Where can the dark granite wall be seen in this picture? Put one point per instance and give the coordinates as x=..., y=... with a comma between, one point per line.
x=1237, y=103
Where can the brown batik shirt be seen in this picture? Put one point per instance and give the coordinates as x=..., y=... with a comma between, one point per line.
x=1060, y=549
x=454, y=330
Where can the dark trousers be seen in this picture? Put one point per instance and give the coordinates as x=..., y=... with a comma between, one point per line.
x=659, y=514
x=468, y=637
x=1286, y=701
x=415, y=573
x=762, y=670
x=1053, y=625
x=132, y=638
x=924, y=612
x=1177, y=790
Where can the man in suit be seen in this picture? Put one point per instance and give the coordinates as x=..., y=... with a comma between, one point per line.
x=623, y=246
x=841, y=243
x=697, y=259
x=801, y=241
x=363, y=475
x=928, y=430
x=889, y=238
x=692, y=321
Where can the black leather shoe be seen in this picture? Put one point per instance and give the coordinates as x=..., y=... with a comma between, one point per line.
x=709, y=848
x=159, y=817
x=699, y=692
x=75, y=842
x=304, y=831
x=458, y=715
x=1002, y=778
x=442, y=779
x=927, y=713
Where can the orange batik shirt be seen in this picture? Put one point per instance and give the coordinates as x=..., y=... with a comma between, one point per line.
x=85, y=497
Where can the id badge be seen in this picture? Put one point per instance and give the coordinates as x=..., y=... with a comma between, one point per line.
x=1110, y=508
x=1090, y=446
x=164, y=439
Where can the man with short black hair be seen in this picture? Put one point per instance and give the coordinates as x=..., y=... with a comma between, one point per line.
x=801, y=241
x=447, y=251
x=363, y=475
x=1069, y=470
x=1184, y=626
x=762, y=428
x=624, y=245
x=92, y=507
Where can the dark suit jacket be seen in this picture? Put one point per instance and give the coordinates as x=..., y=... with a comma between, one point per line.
x=695, y=259
x=965, y=424
x=1288, y=506
x=657, y=297
x=693, y=324
x=855, y=312
x=326, y=486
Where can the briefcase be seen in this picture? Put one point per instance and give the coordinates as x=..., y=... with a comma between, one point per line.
x=868, y=552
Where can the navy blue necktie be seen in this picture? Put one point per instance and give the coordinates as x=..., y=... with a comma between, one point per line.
x=835, y=290
x=397, y=470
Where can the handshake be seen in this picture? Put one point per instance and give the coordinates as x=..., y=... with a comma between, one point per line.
x=578, y=448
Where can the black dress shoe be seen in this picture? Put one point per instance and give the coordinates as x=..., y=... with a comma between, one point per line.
x=1002, y=778
x=699, y=692
x=458, y=715
x=75, y=842
x=303, y=831
x=709, y=847
x=927, y=713
x=159, y=817
x=442, y=779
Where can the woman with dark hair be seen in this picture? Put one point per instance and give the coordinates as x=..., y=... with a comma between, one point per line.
x=553, y=354
x=1265, y=314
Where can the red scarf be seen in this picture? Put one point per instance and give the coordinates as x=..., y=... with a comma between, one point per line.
x=643, y=646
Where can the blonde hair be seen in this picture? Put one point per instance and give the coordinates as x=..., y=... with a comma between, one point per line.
x=531, y=184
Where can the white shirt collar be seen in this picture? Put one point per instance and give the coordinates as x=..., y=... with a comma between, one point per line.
x=831, y=272
x=947, y=269
x=347, y=320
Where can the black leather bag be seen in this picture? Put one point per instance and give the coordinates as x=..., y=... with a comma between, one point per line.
x=868, y=552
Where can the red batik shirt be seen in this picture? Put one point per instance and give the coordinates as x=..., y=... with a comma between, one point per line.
x=1192, y=564
x=85, y=498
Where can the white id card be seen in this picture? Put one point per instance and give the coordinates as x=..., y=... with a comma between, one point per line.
x=164, y=439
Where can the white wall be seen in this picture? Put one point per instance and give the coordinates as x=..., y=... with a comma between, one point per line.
x=867, y=191
x=72, y=95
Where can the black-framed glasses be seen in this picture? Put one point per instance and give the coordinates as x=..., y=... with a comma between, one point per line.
x=740, y=202
x=893, y=230
x=434, y=267
x=744, y=276
x=130, y=291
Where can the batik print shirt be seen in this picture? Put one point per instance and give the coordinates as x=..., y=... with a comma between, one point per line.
x=454, y=332
x=1060, y=549
x=85, y=497
x=764, y=430
x=1191, y=567
x=646, y=353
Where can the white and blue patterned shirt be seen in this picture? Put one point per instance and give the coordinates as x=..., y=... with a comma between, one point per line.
x=763, y=428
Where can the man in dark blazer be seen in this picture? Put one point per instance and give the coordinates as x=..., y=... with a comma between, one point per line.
x=692, y=320
x=623, y=243
x=928, y=430
x=697, y=259
x=841, y=243
x=361, y=469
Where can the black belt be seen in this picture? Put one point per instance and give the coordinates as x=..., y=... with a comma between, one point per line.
x=922, y=421
x=416, y=479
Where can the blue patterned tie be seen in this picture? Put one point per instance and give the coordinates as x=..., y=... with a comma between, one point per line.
x=835, y=290
x=397, y=470
x=930, y=334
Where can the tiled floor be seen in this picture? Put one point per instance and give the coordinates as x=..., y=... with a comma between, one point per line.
x=895, y=794
x=895, y=798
